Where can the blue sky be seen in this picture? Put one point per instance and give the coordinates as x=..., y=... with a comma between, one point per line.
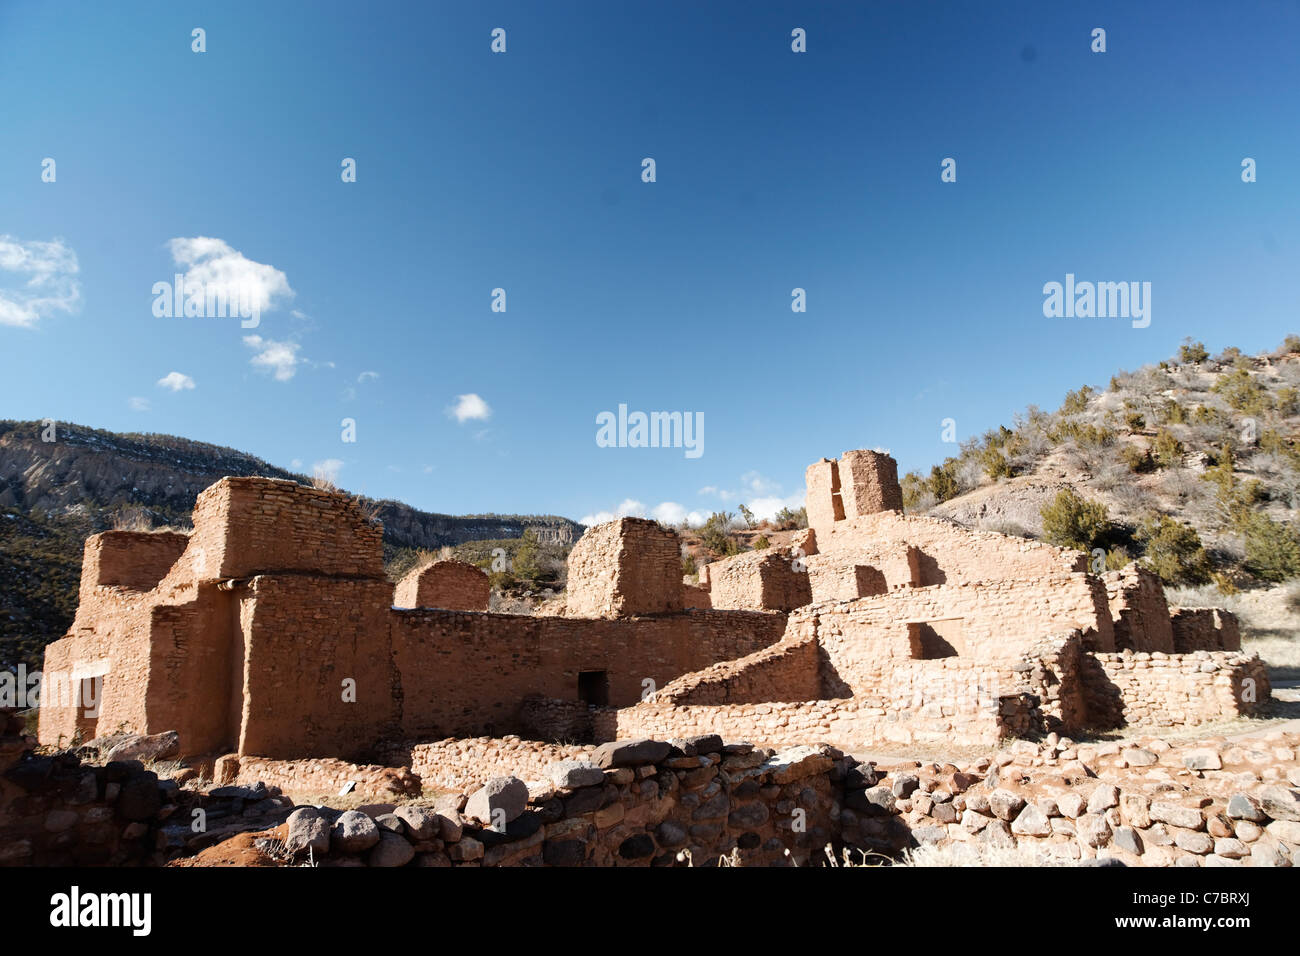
x=523, y=170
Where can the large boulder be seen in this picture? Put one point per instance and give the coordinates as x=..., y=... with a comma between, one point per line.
x=146, y=747
x=354, y=832
x=571, y=774
x=391, y=850
x=499, y=801
x=308, y=830
x=630, y=753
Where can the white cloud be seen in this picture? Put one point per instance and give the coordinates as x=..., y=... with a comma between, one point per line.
x=469, y=407
x=674, y=513
x=628, y=507
x=176, y=381
x=223, y=270
x=669, y=512
x=767, y=507
x=367, y=376
x=296, y=463
x=757, y=492
x=46, y=271
x=138, y=404
x=279, y=358
x=327, y=468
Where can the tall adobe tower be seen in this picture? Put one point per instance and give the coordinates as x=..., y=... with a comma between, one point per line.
x=861, y=483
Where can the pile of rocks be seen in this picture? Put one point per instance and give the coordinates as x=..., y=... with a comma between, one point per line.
x=59, y=810
x=1146, y=803
x=641, y=802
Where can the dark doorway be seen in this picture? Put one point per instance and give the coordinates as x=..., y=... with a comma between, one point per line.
x=593, y=688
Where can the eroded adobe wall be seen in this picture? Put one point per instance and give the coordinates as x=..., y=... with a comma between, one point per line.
x=130, y=559
x=869, y=483
x=115, y=652
x=1159, y=689
x=319, y=777
x=1204, y=629
x=786, y=671
x=694, y=596
x=766, y=580
x=1138, y=608
x=849, y=724
x=624, y=568
x=466, y=674
x=304, y=636
x=875, y=569
x=192, y=647
x=952, y=700
x=453, y=585
x=991, y=621
x=247, y=526
x=822, y=496
x=951, y=554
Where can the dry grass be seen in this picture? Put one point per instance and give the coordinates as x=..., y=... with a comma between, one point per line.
x=979, y=854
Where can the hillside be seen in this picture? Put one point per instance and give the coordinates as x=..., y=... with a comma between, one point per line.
x=1191, y=465
x=54, y=494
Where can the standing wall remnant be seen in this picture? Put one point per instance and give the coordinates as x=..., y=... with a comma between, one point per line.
x=453, y=585
x=625, y=568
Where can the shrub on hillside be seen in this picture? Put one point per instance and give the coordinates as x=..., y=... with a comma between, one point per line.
x=1077, y=401
x=1174, y=551
x=716, y=534
x=787, y=520
x=1272, y=548
x=1244, y=392
x=1167, y=450
x=1071, y=521
x=994, y=463
x=1192, y=353
x=1137, y=459
x=1173, y=413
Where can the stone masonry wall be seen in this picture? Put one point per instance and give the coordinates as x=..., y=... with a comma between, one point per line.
x=454, y=585
x=869, y=483
x=467, y=674
x=950, y=553
x=1139, y=610
x=1160, y=689
x=246, y=526
x=130, y=559
x=1204, y=629
x=786, y=671
x=857, y=634
x=624, y=568
x=766, y=580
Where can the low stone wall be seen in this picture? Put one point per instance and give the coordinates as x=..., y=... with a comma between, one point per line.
x=850, y=724
x=458, y=763
x=636, y=803
x=60, y=810
x=787, y=670
x=1160, y=690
